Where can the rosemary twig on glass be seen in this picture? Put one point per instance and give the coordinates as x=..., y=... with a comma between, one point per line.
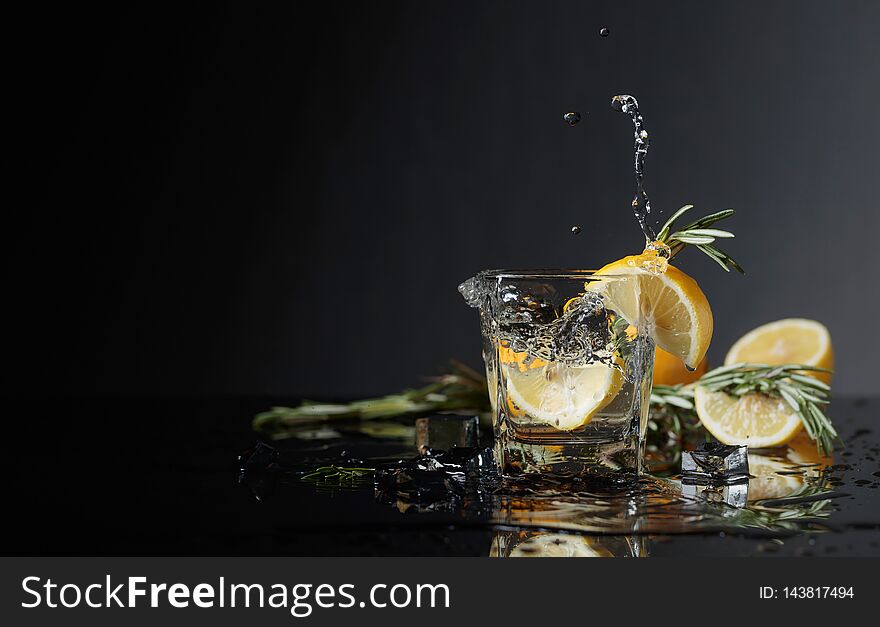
x=698, y=234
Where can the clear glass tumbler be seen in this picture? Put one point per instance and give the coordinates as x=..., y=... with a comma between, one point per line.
x=569, y=378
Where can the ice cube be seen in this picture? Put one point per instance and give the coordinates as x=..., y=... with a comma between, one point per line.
x=436, y=477
x=257, y=469
x=415, y=485
x=445, y=432
x=714, y=463
x=260, y=457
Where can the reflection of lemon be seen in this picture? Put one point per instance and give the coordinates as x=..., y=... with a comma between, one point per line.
x=668, y=369
x=565, y=397
x=789, y=341
x=558, y=545
x=668, y=305
x=767, y=483
x=803, y=450
x=755, y=420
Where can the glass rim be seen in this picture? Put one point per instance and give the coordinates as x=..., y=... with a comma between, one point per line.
x=542, y=273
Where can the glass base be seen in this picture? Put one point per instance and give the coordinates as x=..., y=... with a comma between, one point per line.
x=619, y=459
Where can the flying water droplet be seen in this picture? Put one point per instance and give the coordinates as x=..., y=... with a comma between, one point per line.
x=572, y=117
x=603, y=32
x=575, y=229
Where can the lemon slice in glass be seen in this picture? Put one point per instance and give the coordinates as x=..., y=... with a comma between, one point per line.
x=562, y=396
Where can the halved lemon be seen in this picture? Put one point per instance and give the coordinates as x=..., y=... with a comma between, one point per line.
x=668, y=305
x=565, y=397
x=788, y=341
x=755, y=420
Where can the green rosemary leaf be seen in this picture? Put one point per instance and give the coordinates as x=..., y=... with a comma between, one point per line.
x=682, y=236
x=710, y=219
x=789, y=397
x=713, y=257
x=810, y=381
x=710, y=232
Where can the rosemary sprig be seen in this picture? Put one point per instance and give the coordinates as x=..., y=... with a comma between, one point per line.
x=672, y=397
x=698, y=234
x=806, y=395
x=460, y=389
x=794, y=517
x=673, y=426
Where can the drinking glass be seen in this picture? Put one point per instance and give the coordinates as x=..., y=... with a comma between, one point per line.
x=569, y=378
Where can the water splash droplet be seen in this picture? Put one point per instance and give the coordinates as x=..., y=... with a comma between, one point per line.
x=604, y=32
x=575, y=229
x=572, y=118
x=625, y=103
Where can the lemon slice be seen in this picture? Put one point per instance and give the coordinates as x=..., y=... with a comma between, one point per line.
x=565, y=397
x=755, y=420
x=668, y=305
x=788, y=341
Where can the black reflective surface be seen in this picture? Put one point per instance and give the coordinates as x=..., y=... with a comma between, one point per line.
x=127, y=477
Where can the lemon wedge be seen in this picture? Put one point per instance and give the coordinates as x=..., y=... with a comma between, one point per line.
x=666, y=304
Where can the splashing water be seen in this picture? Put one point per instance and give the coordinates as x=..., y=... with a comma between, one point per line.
x=572, y=117
x=640, y=204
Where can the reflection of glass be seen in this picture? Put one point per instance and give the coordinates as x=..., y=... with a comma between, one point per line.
x=546, y=544
x=569, y=379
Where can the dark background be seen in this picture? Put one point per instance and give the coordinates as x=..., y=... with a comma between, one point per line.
x=281, y=200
